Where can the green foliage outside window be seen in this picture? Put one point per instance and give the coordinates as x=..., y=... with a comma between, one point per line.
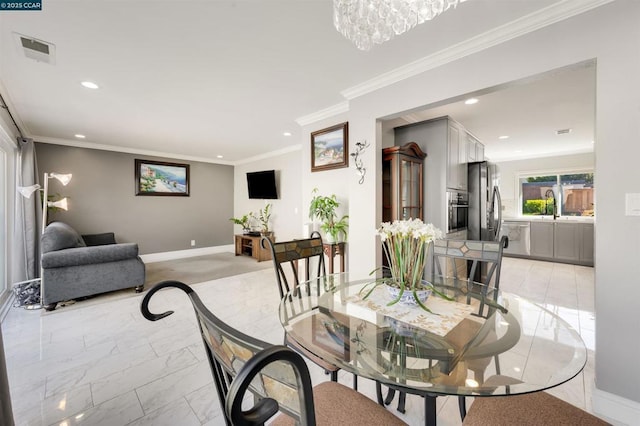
x=533, y=207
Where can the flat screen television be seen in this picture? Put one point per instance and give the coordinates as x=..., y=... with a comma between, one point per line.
x=262, y=185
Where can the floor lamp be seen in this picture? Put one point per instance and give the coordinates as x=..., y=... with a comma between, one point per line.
x=27, y=192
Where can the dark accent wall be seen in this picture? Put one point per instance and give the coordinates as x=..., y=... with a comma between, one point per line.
x=102, y=199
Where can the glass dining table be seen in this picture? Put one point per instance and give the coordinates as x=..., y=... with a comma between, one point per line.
x=476, y=341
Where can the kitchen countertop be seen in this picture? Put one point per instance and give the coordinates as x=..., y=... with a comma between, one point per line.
x=577, y=219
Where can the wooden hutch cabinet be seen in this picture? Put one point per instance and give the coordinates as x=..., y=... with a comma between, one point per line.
x=402, y=182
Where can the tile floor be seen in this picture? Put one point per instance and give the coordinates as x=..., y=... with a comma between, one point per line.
x=99, y=362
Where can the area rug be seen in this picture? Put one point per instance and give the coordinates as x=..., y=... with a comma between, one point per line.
x=191, y=270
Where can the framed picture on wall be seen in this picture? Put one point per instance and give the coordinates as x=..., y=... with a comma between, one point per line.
x=330, y=148
x=160, y=178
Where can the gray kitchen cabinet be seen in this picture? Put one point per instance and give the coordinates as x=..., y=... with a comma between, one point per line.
x=480, y=152
x=587, y=251
x=444, y=170
x=475, y=149
x=542, y=240
x=456, y=156
x=567, y=241
x=564, y=241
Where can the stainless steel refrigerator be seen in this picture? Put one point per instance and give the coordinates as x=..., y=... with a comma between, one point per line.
x=485, y=206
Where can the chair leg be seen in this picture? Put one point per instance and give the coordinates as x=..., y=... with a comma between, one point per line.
x=382, y=400
x=402, y=397
x=462, y=406
x=334, y=376
x=429, y=410
x=355, y=382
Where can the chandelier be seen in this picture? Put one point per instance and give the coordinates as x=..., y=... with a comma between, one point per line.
x=369, y=22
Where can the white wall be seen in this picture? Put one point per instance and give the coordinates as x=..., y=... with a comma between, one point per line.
x=286, y=213
x=611, y=35
x=343, y=183
x=510, y=170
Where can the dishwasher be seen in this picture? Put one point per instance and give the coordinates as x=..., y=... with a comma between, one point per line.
x=519, y=234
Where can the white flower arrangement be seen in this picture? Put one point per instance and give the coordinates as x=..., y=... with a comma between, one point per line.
x=405, y=244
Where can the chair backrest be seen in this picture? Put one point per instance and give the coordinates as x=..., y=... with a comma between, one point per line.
x=479, y=261
x=276, y=376
x=309, y=250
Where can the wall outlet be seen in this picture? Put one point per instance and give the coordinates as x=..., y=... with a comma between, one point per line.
x=193, y=243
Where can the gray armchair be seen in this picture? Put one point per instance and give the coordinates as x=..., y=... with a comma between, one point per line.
x=75, y=266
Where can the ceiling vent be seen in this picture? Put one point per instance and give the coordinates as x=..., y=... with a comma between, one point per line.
x=563, y=131
x=35, y=49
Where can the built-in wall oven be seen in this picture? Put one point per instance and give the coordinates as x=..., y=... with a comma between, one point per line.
x=458, y=211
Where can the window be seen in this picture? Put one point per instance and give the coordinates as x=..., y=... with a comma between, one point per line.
x=572, y=194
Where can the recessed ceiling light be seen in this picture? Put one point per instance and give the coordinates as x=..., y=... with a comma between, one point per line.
x=90, y=85
x=218, y=156
x=503, y=137
x=79, y=136
x=287, y=133
x=518, y=150
x=471, y=101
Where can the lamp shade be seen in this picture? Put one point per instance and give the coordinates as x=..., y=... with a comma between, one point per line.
x=61, y=204
x=63, y=178
x=27, y=191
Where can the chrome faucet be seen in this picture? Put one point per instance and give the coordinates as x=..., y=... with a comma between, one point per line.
x=550, y=195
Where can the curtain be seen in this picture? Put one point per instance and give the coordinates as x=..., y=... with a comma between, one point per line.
x=28, y=215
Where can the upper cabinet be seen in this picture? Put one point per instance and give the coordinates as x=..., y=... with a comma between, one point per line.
x=457, y=156
x=402, y=169
x=475, y=149
x=446, y=142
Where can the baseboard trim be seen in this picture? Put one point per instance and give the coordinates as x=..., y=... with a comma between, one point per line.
x=182, y=254
x=614, y=408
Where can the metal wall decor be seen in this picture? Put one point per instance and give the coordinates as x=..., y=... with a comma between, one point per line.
x=360, y=169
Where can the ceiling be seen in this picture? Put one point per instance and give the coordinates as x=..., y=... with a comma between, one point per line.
x=222, y=81
x=546, y=115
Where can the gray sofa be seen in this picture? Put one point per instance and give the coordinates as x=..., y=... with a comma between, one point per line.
x=75, y=266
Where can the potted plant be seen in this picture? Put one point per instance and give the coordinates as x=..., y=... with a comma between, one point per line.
x=263, y=216
x=244, y=221
x=324, y=209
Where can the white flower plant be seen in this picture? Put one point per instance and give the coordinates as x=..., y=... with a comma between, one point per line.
x=405, y=244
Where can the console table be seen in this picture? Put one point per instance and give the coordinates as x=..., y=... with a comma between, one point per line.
x=333, y=249
x=249, y=245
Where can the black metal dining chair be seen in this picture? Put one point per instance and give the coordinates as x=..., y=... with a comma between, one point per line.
x=454, y=261
x=276, y=376
x=461, y=263
x=309, y=251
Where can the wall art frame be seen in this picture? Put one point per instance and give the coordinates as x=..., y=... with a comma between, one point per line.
x=330, y=148
x=159, y=178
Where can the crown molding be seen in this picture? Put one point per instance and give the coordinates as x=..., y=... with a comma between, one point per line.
x=127, y=150
x=329, y=112
x=534, y=21
x=114, y=148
